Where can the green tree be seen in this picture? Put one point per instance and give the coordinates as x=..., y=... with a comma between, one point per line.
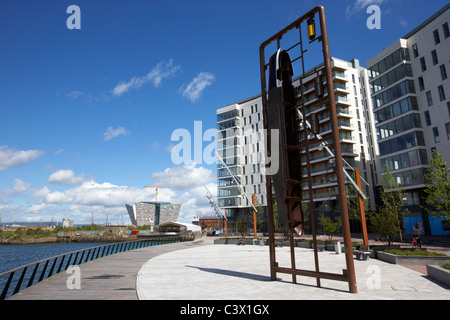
x=242, y=227
x=387, y=222
x=437, y=191
x=330, y=227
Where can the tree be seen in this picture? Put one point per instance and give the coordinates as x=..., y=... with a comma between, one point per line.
x=242, y=227
x=330, y=227
x=387, y=222
x=437, y=191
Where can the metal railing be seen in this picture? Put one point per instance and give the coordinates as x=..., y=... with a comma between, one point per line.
x=25, y=276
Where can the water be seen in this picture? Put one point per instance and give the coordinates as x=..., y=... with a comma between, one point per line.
x=13, y=256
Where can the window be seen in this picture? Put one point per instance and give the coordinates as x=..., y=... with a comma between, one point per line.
x=415, y=50
x=446, y=30
x=443, y=72
x=423, y=64
x=434, y=57
x=437, y=39
x=427, y=118
x=421, y=84
x=437, y=139
x=447, y=126
x=441, y=93
x=429, y=98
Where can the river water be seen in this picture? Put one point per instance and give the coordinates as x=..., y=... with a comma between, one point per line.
x=17, y=255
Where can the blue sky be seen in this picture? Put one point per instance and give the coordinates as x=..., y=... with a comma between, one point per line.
x=87, y=114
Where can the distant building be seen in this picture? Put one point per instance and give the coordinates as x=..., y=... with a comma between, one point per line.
x=179, y=227
x=152, y=213
x=212, y=223
x=116, y=230
x=66, y=223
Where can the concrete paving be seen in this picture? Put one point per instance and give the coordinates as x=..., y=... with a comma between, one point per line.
x=201, y=270
x=242, y=272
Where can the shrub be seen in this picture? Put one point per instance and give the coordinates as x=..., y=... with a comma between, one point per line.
x=416, y=252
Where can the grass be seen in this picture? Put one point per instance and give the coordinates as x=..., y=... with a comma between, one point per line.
x=446, y=266
x=415, y=252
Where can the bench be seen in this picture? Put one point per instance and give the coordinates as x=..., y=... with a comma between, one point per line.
x=279, y=241
x=362, y=253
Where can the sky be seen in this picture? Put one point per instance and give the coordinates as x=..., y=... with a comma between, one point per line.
x=91, y=100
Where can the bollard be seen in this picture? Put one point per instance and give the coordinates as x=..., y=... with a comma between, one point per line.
x=337, y=247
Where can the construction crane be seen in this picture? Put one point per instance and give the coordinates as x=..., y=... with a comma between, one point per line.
x=157, y=187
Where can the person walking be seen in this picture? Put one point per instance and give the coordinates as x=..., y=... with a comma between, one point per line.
x=416, y=231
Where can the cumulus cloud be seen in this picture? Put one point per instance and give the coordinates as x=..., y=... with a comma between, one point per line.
x=195, y=88
x=19, y=187
x=163, y=70
x=188, y=174
x=62, y=177
x=92, y=193
x=113, y=133
x=10, y=158
x=79, y=197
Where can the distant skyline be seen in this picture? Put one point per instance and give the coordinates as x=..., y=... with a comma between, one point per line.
x=87, y=114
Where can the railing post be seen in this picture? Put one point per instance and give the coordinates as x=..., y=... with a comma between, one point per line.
x=8, y=283
x=43, y=271
x=33, y=275
x=68, y=262
x=20, y=280
x=82, y=256
x=60, y=265
x=76, y=257
x=53, y=267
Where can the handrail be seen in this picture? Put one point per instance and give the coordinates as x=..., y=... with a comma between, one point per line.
x=92, y=254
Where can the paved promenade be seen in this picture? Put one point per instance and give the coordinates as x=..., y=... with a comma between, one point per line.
x=109, y=278
x=201, y=270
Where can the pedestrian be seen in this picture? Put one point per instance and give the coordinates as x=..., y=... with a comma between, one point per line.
x=416, y=235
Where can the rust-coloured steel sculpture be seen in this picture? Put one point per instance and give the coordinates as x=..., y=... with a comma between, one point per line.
x=283, y=116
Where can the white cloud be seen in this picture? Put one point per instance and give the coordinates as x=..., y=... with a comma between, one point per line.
x=75, y=94
x=78, y=201
x=188, y=174
x=10, y=158
x=19, y=187
x=162, y=70
x=62, y=177
x=42, y=192
x=195, y=88
x=92, y=193
x=359, y=5
x=113, y=133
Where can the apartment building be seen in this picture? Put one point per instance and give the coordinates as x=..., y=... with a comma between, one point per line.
x=410, y=93
x=241, y=148
x=358, y=145
x=241, y=144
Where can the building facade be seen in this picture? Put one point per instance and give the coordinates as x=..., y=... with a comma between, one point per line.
x=241, y=149
x=358, y=142
x=392, y=114
x=241, y=144
x=410, y=94
x=152, y=213
x=212, y=223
